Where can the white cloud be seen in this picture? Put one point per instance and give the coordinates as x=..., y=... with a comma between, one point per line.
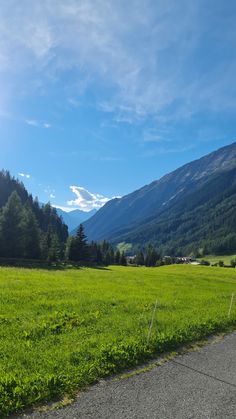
x=27, y=176
x=32, y=122
x=49, y=192
x=35, y=123
x=46, y=125
x=85, y=200
x=152, y=136
x=63, y=208
x=73, y=102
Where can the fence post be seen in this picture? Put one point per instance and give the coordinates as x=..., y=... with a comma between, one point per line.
x=151, y=324
x=230, y=306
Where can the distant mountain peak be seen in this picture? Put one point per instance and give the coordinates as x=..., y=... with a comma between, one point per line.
x=75, y=217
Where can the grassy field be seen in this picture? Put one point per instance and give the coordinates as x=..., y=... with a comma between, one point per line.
x=215, y=259
x=62, y=330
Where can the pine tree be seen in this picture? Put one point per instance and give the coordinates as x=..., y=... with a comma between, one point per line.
x=11, y=243
x=151, y=256
x=117, y=257
x=139, y=258
x=54, y=252
x=112, y=255
x=81, y=243
x=123, y=260
x=30, y=234
x=99, y=255
x=78, y=250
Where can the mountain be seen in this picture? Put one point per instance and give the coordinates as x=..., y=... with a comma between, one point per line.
x=73, y=218
x=169, y=210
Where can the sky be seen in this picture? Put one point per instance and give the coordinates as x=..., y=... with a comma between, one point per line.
x=100, y=97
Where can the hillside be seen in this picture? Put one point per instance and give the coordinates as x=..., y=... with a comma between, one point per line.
x=28, y=229
x=194, y=204
x=205, y=219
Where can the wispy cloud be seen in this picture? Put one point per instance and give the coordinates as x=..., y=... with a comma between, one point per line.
x=151, y=136
x=146, y=51
x=73, y=102
x=46, y=125
x=39, y=124
x=167, y=150
x=32, y=122
x=63, y=208
x=26, y=175
x=50, y=192
x=86, y=200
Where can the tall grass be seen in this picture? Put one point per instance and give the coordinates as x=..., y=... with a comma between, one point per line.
x=62, y=330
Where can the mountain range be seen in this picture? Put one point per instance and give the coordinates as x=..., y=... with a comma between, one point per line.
x=73, y=218
x=187, y=209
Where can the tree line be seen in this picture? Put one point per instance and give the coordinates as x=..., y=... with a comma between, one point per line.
x=29, y=230
x=79, y=250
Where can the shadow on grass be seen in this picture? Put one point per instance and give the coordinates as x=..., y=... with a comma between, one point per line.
x=49, y=266
x=98, y=267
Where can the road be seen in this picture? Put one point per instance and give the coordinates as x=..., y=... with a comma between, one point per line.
x=196, y=385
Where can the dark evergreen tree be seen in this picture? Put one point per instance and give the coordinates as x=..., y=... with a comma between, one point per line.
x=139, y=259
x=28, y=230
x=11, y=232
x=151, y=256
x=78, y=250
x=117, y=257
x=123, y=260
x=30, y=234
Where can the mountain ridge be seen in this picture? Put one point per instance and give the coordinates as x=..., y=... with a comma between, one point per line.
x=75, y=217
x=159, y=196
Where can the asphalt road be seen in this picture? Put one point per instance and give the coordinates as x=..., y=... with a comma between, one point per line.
x=197, y=385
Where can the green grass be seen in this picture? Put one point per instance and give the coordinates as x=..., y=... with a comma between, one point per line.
x=215, y=259
x=62, y=330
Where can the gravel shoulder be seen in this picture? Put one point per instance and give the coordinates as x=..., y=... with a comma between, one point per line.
x=199, y=384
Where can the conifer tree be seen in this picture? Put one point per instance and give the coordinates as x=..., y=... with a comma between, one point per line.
x=139, y=258
x=30, y=234
x=11, y=244
x=78, y=250
x=117, y=257
x=123, y=260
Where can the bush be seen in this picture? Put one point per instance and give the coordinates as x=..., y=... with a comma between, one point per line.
x=233, y=263
x=205, y=262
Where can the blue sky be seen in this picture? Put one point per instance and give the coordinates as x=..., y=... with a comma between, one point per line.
x=99, y=97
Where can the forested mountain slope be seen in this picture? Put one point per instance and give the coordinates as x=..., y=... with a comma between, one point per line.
x=205, y=219
x=27, y=229
x=168, y=210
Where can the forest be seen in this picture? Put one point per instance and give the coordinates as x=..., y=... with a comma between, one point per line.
x=29, y=230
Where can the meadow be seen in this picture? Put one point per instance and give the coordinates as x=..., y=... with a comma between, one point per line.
x=215, y=259
x=62, y=330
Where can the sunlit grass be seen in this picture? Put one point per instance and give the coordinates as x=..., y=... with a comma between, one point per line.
x=61, y=330
x=215, y=259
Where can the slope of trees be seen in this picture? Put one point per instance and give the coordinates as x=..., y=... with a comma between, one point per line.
x=32, y=231
x=204, y=222
x=123, y=215
x=26, y=229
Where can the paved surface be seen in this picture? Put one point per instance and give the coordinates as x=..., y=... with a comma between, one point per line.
x=195, y=385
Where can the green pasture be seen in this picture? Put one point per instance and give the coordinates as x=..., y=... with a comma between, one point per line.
x=62, y=330
x=215, y=259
